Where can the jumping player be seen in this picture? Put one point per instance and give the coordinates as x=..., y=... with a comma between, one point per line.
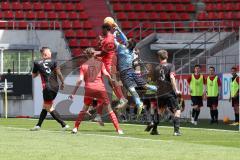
x=91, y=72
x=125, y=57
x=167, y=91
x=108, y=53
x=212, y=93
x=49, y=72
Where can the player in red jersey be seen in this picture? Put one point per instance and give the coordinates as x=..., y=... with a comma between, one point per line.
x=109, y=58
x=49, y=72
x=91, y=72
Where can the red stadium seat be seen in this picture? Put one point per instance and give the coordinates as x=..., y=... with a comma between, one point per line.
x=83, y=16
x=10, y=25
x=174, y=16
x=27, y=6
x=30, y=15
x=62, y=15
x=5, y=6
x=16, y=6
x=73, y=43
x=80, y=34
x=77, y=25
x=237, y=16
x=41, y=15
x=79, y=7
x=43, y=25
x=37, y=6
x=210, y=7
x=180, y=7
x=8, y=15
x=148, y=25
x=1, y=15
x=66, y=24
x=220, y=15
x=220, y=7
x=121, y=16
x=19, y=15
x=169, y=7
x=127, y=7
x=237, y=8
x=148, y=7
x=52, y=15
x=184, y=16
x=69, y=7
x=163, y=16
x=76, y=52
x=58, y=6
x=84, y=43
x=131, y=15
x=159, y=7
x=168, y=26
x=72, y=15
x=202, y=16
x=48, y=6
x=229, y=16
x=87, y=25
x=22, y=25
x=91, y=34
x=142, y=16
x=2, y=25
x=126, y=25
x=179, y=26
x=69, y=34
x=190, y=8
x=118, y=7
x=94, y=43
x=54, y=25
x=153, y=16
x=138, y=7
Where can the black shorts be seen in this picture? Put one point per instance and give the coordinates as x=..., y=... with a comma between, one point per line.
x=130, y=79
x=49, y=95
x=169, y=101
x=235, y=101
x=197, y=101
x=212, y=101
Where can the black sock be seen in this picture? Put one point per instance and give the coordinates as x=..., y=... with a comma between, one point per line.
x=196, y=115
x=56, y=116
x=193, y=113
x=43, y=115
x=212, y=114
x=156, y=121
x=236, y=117
x=152, y=118
x=176, y=124
x=216, y=115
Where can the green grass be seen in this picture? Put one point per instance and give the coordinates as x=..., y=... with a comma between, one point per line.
x=102, y=143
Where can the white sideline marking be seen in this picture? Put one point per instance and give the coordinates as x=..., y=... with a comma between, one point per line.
x=91, y=134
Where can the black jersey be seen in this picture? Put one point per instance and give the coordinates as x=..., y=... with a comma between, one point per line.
x=162, y=77
x=47, y=71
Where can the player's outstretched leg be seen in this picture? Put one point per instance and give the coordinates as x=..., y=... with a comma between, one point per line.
x=42, y=116
x=137, y=100
x=176, y=123
x=114, y=119
x=79, y=119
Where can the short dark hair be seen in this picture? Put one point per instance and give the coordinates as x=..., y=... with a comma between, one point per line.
x=163, y=54
x=197, y=65
x=43, y=49
x=106, y=27
x=212, y=68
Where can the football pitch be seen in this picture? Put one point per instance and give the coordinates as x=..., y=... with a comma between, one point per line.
x=94, y=142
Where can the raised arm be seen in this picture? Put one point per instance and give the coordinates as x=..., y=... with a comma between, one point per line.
x=121, y=35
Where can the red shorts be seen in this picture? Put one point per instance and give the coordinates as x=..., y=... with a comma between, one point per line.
x=91, y=94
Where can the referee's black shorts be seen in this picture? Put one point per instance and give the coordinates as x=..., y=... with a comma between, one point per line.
x=197, y=101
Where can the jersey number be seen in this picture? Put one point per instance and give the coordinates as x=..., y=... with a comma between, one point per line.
x=46, y=67
x=161, y=74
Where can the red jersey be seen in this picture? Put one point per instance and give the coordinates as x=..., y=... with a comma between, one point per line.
x=218, y=80
x=107, y=45
x=92, y=74
x=196, y=77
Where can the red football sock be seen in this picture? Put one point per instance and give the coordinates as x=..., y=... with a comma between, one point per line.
x=114, y=120
x=79, y=119
x=118, y=91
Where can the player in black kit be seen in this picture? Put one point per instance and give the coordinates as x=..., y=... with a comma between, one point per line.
x=49, y=72
x=167, y=91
